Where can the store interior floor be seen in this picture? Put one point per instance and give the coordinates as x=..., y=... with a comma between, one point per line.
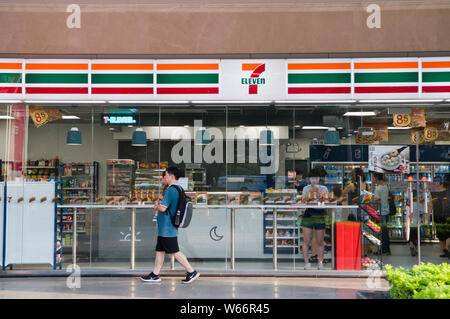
x=400, y=257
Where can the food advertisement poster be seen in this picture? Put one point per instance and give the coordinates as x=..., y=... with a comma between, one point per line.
x=389, y=159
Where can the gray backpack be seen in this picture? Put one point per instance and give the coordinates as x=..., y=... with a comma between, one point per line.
x=183, y=214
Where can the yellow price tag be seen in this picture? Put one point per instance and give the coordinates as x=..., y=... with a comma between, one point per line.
x=431, y=133
x=39, y=117
x=414, y=134
x=402, y=120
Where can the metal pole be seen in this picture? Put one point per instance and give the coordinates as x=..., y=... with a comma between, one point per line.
x=333, y=218
x=133, y=237
x=232, y=238
x=172, y=263
x=275, y=240
x=418, y=186
x=74, y=239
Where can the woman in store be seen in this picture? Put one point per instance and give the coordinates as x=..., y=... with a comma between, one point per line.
x=421, y=214
x=354, y=188
x=441, y=212
x=313, y=221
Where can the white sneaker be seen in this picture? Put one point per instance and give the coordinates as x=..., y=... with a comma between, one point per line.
x=308, y=266
x=320, y=266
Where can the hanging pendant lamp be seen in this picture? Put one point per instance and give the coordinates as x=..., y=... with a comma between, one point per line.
x=332, y=137
x=73, y=136
x=139, y=137
x=202, y=137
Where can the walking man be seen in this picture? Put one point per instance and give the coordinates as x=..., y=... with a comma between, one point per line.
x=167, y=241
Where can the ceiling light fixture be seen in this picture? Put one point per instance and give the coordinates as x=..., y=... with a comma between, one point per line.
x=402, y=101
x=359, y=114
x=11, y=101
x=231, y=102
x=147, y=102
x=63, y=102
x=315, y=128
x=315, y=101
x=70, y=117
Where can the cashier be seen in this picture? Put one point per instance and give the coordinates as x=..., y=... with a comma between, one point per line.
x=299, y=182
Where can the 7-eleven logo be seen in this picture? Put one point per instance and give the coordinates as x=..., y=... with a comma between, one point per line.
x=254, y=80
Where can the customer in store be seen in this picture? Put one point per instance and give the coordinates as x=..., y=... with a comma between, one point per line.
x=382, y=192
x=353, y=191
x=167, y=241
x=421, y=214
x=300, y=182
x=313, y=221
x=441, y=214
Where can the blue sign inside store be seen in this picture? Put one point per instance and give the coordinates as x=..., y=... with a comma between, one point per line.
x=118, y=119
x=359, y=153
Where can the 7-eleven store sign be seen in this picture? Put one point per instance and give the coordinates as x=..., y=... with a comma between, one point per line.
x=255, y=69
x=253, y=79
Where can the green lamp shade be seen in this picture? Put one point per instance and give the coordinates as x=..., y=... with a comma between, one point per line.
x=266, y=138
x=73, y=137
x=139, y=138
x=332, y=137
x=202, y=137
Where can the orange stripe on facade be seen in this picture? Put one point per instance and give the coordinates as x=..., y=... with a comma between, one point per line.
x=250, y=66
x=9, y=66
x=319, y=66
x=130, y=66
x=56, y=66
x=191, y=66
x=438, y=64
x=387, y=65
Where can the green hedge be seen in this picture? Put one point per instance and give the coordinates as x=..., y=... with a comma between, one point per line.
x=424, y=281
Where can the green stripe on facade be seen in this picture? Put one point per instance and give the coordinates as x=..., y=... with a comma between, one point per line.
x=122, y=78
x=319, y=78
x=386, y=77
x=188, y=78
x=436, y=77
x=10, y=78
x=56, y=78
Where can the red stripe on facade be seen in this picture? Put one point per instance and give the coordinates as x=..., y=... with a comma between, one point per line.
x=320, y=90
x=72, y=90
x=122, y=90
x=387, y=89
x=11, y=90
x=435, y=89
x=214, y=90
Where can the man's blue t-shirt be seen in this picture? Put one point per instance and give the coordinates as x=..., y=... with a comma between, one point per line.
x=165, y=226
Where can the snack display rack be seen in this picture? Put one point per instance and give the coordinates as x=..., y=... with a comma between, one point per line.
x=119, y=177
x=42, y=170
x=371, y=232
x=288, y=234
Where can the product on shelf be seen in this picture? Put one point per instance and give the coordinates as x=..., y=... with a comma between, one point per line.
x=119, y=179
x=372, y=239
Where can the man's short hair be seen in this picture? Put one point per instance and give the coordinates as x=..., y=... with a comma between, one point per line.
x=173, y=171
